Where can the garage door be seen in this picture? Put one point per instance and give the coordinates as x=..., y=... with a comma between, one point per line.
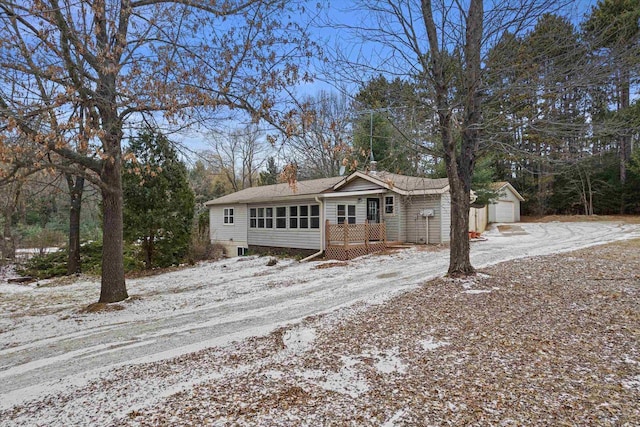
x=505, y=211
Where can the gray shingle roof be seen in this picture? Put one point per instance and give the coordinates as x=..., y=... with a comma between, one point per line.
x=409, y=183
x=269, y=193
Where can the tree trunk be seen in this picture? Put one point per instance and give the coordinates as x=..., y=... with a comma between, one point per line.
x=8, y=242
x=113, y=288
x=75, y=191
x=8, y=245
x=148, y=250
x=625, y=139
x=459, y=259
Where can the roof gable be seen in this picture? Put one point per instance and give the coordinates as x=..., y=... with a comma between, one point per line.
x=402, y=184
x=504, y=185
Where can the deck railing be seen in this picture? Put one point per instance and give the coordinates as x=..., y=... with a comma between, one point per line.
x=346, y=241
x=347, y=234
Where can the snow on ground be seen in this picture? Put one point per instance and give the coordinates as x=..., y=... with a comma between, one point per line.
x=47, y=344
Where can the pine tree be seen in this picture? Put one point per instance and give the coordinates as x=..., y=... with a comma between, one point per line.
x=158, y=202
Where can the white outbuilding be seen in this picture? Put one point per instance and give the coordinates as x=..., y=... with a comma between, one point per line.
x=506, y=208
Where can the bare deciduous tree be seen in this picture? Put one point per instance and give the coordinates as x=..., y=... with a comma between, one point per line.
x=121, y=62
x=442, y=44
x=239, y=155
x=323, y=139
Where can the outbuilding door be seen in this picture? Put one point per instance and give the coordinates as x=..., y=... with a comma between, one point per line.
x=505, y=211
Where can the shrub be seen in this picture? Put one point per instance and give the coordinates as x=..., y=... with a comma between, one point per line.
x=55, y=264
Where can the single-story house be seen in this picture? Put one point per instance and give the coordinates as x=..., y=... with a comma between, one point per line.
x=344, y=216
x=507, y=207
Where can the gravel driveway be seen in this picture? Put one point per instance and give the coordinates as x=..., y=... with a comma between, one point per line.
x=47, y=344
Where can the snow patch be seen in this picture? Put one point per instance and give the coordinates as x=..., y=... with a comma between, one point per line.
x=298, y=340
x=346, y=381
x=476, y=291
x=388, y=361
x=430, y=344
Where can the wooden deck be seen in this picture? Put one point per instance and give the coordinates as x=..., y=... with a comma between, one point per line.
x=347, y=241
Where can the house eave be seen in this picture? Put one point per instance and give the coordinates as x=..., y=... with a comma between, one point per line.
x=352, y=193
x=265, y=200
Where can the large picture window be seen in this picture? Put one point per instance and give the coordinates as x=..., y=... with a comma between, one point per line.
x=303, y=216
x=346, y=213
x=227, y=216
x=261, y=218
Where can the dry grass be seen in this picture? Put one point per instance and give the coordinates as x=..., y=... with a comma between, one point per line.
x=331, y=264
x=100, y=307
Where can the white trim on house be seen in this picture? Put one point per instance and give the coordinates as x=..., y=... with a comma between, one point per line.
x=391, y=186
x=352, y=193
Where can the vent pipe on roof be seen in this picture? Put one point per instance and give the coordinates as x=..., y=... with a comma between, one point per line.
x=373, y=167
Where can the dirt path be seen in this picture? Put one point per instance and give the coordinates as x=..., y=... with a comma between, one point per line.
x=45, y=343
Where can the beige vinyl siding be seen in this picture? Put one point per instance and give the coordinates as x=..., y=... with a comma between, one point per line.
x=220, y=231
x=331, y=208
x=299, y=238
x=445, y=206
x=416, y=225
x=393, y=222
x=359, y=184
x=230, y=236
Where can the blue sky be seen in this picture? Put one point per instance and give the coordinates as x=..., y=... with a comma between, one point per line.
x=334, y=31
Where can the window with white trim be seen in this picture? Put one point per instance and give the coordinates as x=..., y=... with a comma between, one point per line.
x=389, y=205
x=304, y=216
x=346, y=213
x=281, y=217
x=253, y=218
x=314, y=217
x=227, y=216
x=293, y=217
x=261, y=218
x=268, y=218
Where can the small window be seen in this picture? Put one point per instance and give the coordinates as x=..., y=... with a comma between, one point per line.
x=293, y=217
x=227, y=216
x=253, y=218
x=304, y=217
x=281, y=217
x=260, y=217
x=342, y=210
x=389, y=205
x=346, y=213
x=314, y=218
x=268, y=218
x=351, y=214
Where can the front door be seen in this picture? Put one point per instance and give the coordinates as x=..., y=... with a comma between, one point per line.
x=373, y=210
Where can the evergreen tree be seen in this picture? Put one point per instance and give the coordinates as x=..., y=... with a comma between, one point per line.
x=158, y=202
x=269, y=176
